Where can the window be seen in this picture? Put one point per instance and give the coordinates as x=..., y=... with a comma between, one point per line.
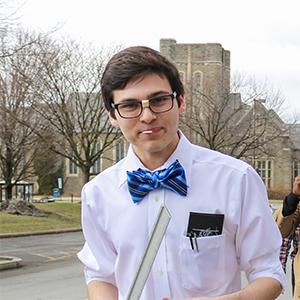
x=120, y=151
x=182, y=76
x=264, y=169
x=197, y=138
x=197, y=82
x=197, y=96
x=96, y=168
x=296, y=169
x=72, y=168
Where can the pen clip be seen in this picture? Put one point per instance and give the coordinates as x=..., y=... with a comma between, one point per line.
x=196, y=243
x=191, y=240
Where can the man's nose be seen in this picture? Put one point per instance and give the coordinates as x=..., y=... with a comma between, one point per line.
x=147, y=115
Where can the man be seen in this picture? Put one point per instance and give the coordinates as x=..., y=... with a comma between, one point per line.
x=288, y=221
x=234, y=230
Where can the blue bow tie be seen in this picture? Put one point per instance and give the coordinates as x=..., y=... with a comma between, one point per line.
x=141, y=182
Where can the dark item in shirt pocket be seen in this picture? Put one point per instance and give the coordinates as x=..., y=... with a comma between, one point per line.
x=204, y=224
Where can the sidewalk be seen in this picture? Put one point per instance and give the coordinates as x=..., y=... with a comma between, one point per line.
x=49, y=198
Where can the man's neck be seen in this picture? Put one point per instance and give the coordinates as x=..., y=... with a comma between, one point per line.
x=154, y=160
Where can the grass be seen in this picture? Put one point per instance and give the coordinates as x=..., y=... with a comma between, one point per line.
x=61, y=216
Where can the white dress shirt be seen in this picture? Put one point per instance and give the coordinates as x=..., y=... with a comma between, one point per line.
x=116, y=230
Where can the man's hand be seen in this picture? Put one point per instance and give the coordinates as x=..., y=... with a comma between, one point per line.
x=296, y=186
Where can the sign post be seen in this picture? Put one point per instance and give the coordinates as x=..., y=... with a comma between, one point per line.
x=56, y=192
x=60, y=183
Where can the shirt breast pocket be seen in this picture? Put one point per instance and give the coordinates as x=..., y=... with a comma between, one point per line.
x=202, y=270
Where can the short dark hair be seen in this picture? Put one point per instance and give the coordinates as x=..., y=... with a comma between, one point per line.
x=133, y=63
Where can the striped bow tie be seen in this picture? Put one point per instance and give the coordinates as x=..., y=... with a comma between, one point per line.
x=141, y=182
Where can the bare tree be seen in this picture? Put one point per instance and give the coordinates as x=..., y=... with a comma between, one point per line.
x=7, y=15
x=68, y=98
x=18, y=143
x=48, y=168
x=242, y=123
x=10, y=30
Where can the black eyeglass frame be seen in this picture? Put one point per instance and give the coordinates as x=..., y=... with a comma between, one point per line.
x=146, y=103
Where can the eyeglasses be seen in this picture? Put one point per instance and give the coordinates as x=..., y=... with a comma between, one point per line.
x=131, y=109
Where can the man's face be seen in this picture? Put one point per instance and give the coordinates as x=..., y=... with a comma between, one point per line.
x=153, y=136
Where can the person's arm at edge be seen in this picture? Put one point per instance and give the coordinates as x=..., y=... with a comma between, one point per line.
x=99, y=290
x=291, y=202
x=288, y=218
x=288, y=224
x=264, y=288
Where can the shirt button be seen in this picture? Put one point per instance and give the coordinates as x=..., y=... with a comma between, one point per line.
x=161, y=272
x=156, y=198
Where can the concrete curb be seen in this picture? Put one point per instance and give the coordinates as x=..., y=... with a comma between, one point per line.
x=10, y=262
x=54, y=231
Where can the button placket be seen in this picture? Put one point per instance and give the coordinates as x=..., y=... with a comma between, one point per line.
x=159, y=266
x=161, y=272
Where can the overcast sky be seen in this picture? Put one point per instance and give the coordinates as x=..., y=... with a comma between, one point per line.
x=262, y=35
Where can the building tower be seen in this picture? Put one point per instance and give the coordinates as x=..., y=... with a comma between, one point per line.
x=204, y=70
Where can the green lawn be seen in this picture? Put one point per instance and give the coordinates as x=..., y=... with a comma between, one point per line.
x=62, y=216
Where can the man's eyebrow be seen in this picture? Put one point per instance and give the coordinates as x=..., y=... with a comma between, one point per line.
x=154, y=94
x=128, y=100
x=158, y=93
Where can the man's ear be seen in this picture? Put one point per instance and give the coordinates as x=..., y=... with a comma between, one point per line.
x=182, y=103
x=112, y=119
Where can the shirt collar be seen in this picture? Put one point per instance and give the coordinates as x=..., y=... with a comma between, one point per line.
x=183, y=153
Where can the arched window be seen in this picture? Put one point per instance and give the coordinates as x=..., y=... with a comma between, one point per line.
x=197, y=83
x=296, y=169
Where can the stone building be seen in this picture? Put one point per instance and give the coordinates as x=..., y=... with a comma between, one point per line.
x=206, y=68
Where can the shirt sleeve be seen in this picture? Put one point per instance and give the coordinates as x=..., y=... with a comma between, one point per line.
x=97, y=254
x=258, y=240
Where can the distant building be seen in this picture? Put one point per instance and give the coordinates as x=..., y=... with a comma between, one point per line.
x=206, y=68
x=73, y=175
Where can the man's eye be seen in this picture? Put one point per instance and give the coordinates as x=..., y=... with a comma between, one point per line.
x=159, y=100
x=129, y=106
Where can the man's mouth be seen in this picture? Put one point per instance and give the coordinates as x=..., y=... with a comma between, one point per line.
x=148, y=131
x=151, y=130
